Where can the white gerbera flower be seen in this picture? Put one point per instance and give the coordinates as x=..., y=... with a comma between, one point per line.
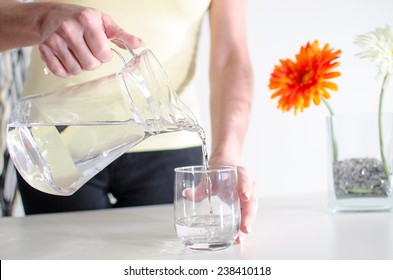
x=378, y=47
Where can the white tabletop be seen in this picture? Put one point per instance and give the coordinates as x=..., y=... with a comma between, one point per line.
x=291, y=227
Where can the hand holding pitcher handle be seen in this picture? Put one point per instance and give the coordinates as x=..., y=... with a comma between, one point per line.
x=76, y=39
x=116, y=41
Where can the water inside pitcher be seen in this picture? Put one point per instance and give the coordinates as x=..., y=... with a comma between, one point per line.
x=60, y=140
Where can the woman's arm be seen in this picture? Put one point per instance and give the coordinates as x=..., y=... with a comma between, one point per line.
x=231, y=86
x=71, y=38
x=19, y=24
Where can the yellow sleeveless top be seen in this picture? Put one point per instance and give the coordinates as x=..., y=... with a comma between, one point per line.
x=170, y=28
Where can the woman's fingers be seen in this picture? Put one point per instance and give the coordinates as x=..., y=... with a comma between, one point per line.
x=248, y=203
x=79, y=40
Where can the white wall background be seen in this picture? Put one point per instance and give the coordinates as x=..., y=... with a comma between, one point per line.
x=285, y=153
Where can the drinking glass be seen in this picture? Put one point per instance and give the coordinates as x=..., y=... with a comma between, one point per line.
x=207, y=208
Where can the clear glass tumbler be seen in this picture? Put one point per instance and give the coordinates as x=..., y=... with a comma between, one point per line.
x=207, y=208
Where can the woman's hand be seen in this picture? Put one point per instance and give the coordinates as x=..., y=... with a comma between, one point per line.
x=75, y=39
x=71, y=38
x=248, y=203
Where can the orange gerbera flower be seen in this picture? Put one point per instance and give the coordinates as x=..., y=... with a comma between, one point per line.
x=298, y=82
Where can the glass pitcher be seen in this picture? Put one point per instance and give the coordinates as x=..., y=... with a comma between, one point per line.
x=60, y=140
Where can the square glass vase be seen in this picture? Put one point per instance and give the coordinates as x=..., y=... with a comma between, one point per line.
x=360, y=162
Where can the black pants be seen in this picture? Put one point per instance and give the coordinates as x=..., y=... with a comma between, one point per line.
x=134, y=179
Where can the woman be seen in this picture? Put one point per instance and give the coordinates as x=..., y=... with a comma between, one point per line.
x=72, y=40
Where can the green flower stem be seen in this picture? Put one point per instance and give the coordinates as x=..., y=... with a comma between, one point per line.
x=381, y=144
x=334, y=143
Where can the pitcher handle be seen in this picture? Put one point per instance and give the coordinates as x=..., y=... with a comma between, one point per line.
x=128, y=48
